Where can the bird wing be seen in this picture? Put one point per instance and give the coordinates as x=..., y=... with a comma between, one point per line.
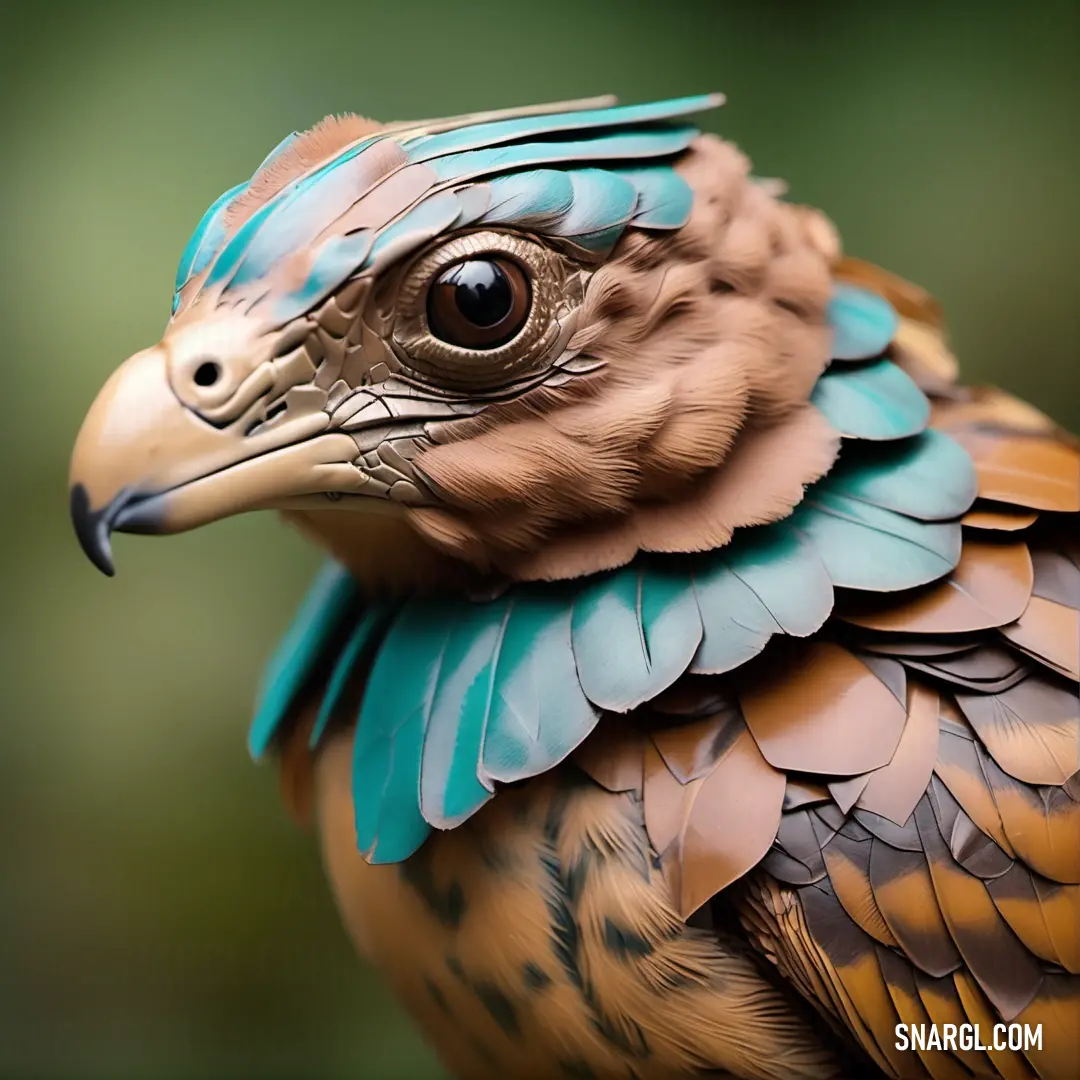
x=893, y=804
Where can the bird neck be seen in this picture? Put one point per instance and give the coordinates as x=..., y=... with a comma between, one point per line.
x=385, y=554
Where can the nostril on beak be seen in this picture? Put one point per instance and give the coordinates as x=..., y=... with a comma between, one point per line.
x=207, y=373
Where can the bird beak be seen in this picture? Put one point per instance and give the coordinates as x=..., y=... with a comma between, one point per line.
x=146, y=462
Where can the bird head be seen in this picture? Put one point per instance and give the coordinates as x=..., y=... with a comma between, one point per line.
x=520, y=345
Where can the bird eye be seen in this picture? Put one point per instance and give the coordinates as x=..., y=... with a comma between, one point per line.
x=480, y=310
x=479, y=303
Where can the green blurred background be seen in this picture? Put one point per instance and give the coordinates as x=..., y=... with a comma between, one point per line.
x=159, y=917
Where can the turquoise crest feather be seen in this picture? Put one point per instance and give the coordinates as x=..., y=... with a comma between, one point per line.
x=463, y=695
x=582, y=174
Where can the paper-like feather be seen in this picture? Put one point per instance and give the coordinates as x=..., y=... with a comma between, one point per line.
x=991, y=586
x=390, y=734
x=1009, y=976
x=863, y=323
x=337, y=259
x=474, y=136
x=277, y=151
x=534, y=198
x=231, y=255
x=871, y=401
x=812, y=718
x=867, y=547
x=208, y=236
x=414, y=129
x=450, y=787
x=313, y=204
x=600, y=201
x=538, y=712
x=363, y=636
x=929, y=476
x=664, y=197
x=644, y=143
x=227, y=263
x=767, y=583
x=428, y=219
x=634, y=633
x=314, y=625
x=1031, y=730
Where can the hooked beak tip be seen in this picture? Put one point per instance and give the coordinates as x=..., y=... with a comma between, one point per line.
x=93, y=527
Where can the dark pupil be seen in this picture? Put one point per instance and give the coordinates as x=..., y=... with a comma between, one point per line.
x=482, y=292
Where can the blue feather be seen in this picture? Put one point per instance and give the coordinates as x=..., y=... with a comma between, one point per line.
x=357, y=646
x=538, y=196
x=228, y=261
x=475, y=136
x=601, y=200
x=315, y=623
x=634, y=633
x=277, y=151
x=600, y=241
x=664, y=197
x=867, y=547
x=390, y=733
x=929, y=477
x=450, y=786
x=646, y=143
x=863, y=323
x=767, y=582
x=300, y=216
x=428, y=219
x=871, y=401
x=206, y=239
x=337, y=259
x=537, y=713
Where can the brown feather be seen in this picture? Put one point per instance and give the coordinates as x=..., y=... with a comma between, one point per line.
x=959, y=769
x=990, y=586
x=848, y=865
x=1031, y=730
x=613, y=756
x=709, y=342
x=1039, y=474
x=1049, y=632
x=893, y=790
x=998, y=517
x=538, y=940
x=1058, y=1010
x=904, y=893
x=718, y=825
x=910, y=300
x=978, y=1010
x=857, y=981
x=814, y=719
x=1005, y=970
x=1042, y=824
x=943, y=1005
x=1043, y=914
x=903, y=989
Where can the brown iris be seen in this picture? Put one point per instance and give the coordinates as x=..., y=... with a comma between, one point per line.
x=479, y=303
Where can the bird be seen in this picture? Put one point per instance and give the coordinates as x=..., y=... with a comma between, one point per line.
x=690, y=688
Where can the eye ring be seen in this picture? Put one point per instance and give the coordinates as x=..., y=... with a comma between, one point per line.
x=479, y=303
x=554, y=290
